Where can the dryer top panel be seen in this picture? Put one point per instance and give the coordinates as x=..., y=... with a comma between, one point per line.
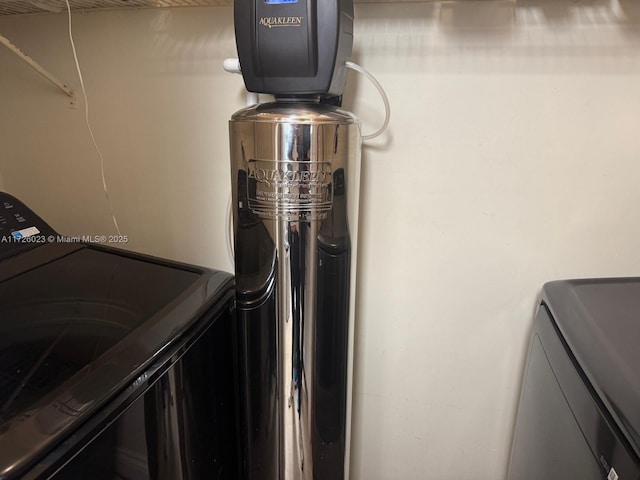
x=600, y=321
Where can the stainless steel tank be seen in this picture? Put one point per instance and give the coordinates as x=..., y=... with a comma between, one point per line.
x=295, y=170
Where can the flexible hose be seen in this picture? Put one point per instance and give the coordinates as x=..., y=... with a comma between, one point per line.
x=385, y=99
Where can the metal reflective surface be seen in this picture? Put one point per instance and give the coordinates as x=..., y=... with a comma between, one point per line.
x=295, y=174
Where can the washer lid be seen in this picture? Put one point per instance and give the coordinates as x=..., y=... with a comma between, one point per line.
x=78, y=329
x=600, y=321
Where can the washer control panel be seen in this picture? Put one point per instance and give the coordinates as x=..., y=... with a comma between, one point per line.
x=20, y=228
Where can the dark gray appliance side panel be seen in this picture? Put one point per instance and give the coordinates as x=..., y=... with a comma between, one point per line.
x=548, y=442
x=561, y=430
x=599, y=319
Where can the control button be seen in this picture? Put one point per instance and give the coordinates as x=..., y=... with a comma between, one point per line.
x=19, y=218
x=7, y=205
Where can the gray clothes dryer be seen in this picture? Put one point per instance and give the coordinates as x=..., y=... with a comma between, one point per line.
x=579, y=411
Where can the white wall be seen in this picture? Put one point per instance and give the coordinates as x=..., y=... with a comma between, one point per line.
x=512, y=158
x=159, y=104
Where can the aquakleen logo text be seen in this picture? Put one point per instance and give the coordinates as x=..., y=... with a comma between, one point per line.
x=281, y=21
x=288, y=177
x=262, y=172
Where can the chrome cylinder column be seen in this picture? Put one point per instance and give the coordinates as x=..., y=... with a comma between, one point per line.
x=295, y=179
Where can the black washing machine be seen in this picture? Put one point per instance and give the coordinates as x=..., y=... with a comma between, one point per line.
x=579, y=412
x=113, y=365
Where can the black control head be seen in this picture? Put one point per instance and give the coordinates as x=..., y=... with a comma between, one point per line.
x=294, y=48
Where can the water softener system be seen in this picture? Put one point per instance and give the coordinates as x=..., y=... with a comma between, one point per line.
x=295, y=178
